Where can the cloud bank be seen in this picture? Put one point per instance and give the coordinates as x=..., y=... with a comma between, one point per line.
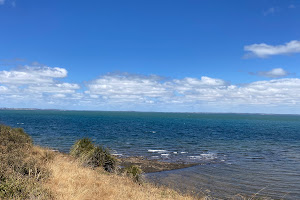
x=264, y=50
x=44, y=87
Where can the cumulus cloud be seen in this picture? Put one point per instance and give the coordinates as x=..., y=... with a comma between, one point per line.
x=33, y=84
x=273, y=73
x=32, y=75
x=128, y=87
x=264, y=50
x=276, y=92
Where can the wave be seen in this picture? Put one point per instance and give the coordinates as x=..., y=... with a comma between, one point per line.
x=204, y=156
x=157, y=150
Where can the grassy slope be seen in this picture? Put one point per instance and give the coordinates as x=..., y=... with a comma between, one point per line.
x=31, y=172
x=70, y=180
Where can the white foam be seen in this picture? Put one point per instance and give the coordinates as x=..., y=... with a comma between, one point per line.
x=175, y=152
x=208, y=156
x=194, y=157
x=183, y=152
x=156, y=150
x=154, y=156
x=203, y=156
x=164, y=154
x=117, y=154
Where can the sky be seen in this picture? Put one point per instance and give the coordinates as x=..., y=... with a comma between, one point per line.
x=151, y=55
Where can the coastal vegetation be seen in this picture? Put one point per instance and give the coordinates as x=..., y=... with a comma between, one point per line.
x=94, y=156
x=89, y=172
x=23, y=169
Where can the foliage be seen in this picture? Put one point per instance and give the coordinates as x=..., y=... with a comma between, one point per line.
x=135, y=172
x=21, y=166
x=94, y=156
x=81, y=147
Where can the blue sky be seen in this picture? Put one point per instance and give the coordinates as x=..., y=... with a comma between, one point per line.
x=166, y=55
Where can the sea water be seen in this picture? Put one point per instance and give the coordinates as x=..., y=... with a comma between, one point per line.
x=236, y=153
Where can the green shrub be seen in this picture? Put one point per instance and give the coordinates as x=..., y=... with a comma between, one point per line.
x=110, y=162
x=19, y=187
x=93, y=156
x=21, y=170
x=81, y=147
x=135, y=172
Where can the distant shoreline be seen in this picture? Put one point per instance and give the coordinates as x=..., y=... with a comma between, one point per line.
x=237, y=113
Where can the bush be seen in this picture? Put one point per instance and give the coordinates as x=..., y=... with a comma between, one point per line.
x=135, y=172
x=21, y=168
x=81, y=147
x=14, y=138
x=19, y=187
x=93, y=156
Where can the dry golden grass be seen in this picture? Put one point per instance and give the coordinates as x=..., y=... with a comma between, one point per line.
x=69, y=180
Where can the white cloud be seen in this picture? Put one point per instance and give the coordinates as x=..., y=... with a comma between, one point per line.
x=274, y=73
x=53, y=88
x=59, y=96
x=277, y=92
x=34, y=85
x=32, y=75
x=264, y=50
x=3, y=89
x=2, y=2
x=127, y=87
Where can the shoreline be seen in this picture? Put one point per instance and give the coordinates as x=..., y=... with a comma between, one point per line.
x=152, y=166
x=147, y=165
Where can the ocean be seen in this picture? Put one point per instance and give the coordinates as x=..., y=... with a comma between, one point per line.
x=236, y=153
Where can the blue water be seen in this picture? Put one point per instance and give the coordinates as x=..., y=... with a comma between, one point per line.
x=237, y=153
